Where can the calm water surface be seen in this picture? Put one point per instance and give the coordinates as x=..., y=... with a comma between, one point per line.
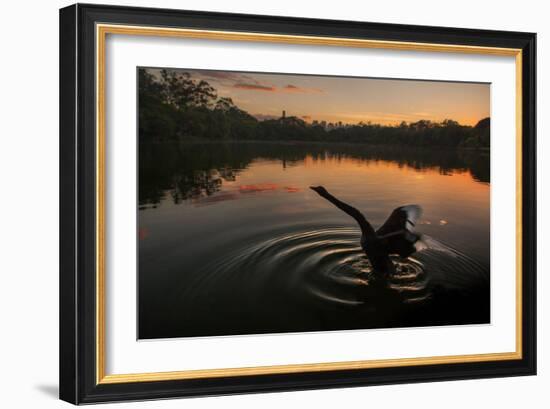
x=232, y=241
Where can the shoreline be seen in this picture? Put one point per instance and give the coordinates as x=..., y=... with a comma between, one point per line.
x=304, y=142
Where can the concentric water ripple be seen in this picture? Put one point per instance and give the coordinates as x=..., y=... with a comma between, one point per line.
x=327, y=268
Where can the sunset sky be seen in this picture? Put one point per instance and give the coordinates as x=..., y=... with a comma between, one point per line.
x=349, y=99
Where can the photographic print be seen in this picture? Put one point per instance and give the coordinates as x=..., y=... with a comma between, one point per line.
x=263, y=203
x=276, y=203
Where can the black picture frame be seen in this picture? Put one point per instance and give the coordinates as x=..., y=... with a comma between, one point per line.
x=78, y=317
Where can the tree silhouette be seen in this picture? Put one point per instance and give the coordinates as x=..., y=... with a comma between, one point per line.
x=175, y=107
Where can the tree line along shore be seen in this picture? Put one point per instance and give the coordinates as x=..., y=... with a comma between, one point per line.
x=173, y=107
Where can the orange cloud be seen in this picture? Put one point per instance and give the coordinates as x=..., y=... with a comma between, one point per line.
x=294, y=88
x=289, y=88
x=255, y=87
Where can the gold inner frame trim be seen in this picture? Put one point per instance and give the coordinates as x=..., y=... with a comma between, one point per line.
x=101, y=33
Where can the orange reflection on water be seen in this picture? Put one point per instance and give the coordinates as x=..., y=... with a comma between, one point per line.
x=259, y=187
x=448, y=195
x=292, y=189
x=232, y=194
x=397, y=183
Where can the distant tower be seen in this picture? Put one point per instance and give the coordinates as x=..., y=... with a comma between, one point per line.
x=284, y=114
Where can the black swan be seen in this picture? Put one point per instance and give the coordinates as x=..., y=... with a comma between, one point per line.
x=396, y=236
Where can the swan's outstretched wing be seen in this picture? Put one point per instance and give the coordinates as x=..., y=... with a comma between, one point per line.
x=397, y=233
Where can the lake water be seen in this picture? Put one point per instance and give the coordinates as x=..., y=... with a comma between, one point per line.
x=232, y=240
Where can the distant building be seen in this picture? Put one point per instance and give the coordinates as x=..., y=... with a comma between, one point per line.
x=284, y=114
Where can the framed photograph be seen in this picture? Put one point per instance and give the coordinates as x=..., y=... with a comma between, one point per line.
x=257, y=203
